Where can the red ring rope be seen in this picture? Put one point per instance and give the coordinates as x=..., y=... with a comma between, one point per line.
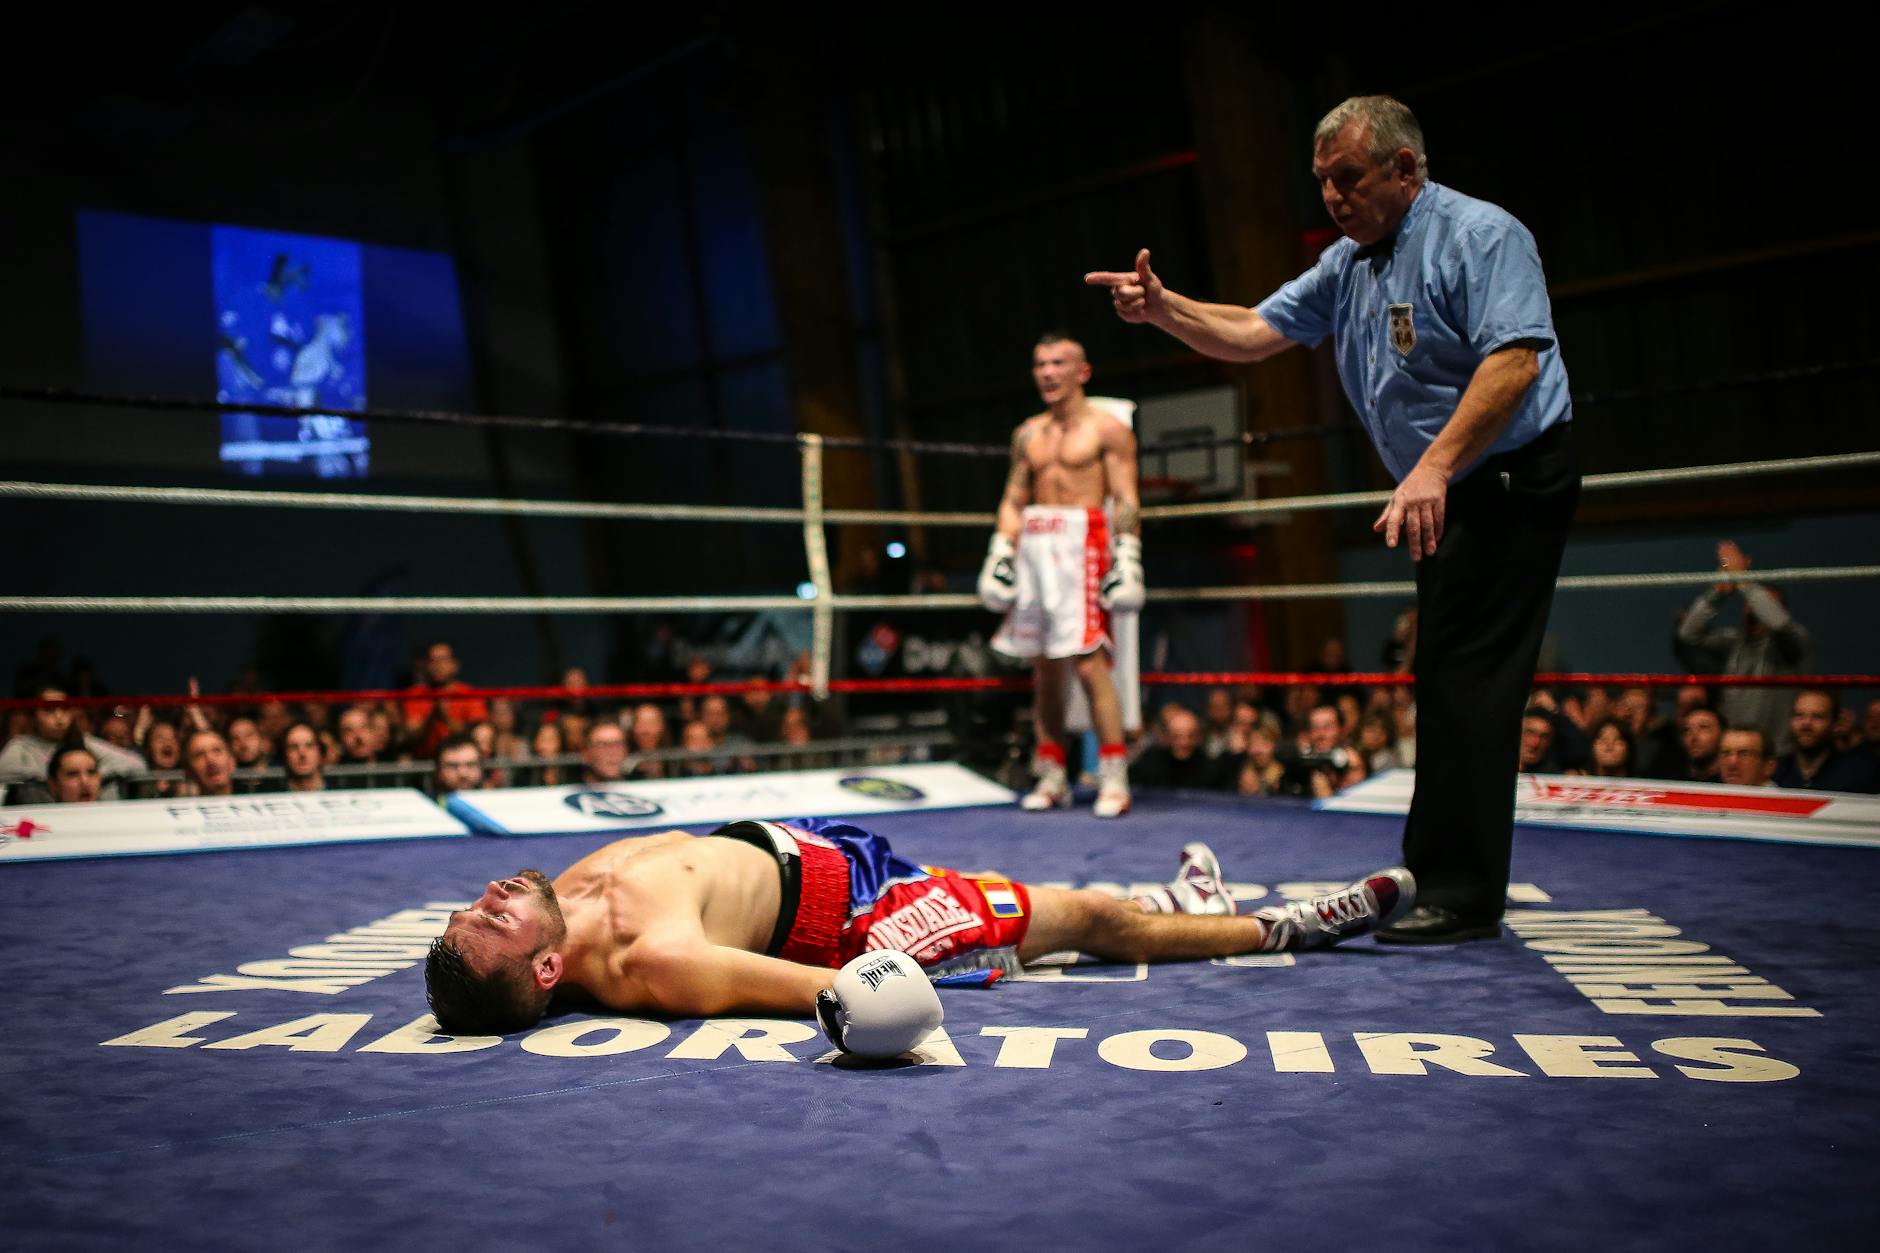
x=1571, y=678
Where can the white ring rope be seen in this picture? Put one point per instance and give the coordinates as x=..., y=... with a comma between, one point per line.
x=1592, y=482
x=23, y=490
x=404, y=504
x=240, y=497
x=1311, y=591
x=814, y=520
x=1573, y=582
x=722, y=604
x=1692, y=474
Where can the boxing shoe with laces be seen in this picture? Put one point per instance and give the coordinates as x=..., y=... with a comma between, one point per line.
x=1195, y=889
x=1375, y=901
x=1111, y=802
x=1053, y=791
x=1112, y=787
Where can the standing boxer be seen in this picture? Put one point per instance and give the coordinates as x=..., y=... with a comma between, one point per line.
x=1438, y=310
x=1057, y=568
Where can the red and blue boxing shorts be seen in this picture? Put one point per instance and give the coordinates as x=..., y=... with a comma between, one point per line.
x=845, y=892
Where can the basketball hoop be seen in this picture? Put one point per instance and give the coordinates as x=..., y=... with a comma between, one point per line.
x=1167, y=488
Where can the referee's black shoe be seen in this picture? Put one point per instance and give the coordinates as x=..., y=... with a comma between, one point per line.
x=1435, y=924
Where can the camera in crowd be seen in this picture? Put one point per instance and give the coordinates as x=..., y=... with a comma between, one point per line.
x=1333, y=762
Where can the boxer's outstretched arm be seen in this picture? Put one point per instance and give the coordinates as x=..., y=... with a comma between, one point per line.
x=689, y=976
x=1227, y=332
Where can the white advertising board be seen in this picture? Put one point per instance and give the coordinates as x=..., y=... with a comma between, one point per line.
x=203, y=824
x=724, y=798
x=1655, y=806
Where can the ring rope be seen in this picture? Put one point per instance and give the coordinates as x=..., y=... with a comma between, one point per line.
x=1591, y=482
x=18, y=489
x=1247, y=439
x=445, y=417
x=401, y=604
x=1572, y=582
x=396, y=503
x=717, y=604
x=1542, y=679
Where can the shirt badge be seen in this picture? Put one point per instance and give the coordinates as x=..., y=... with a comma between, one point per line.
x=1403, y=329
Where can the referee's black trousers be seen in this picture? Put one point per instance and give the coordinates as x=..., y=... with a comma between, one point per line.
x=1482, y=604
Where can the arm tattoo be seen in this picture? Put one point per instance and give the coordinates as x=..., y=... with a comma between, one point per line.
x=1021, y=464
x=1128, y=519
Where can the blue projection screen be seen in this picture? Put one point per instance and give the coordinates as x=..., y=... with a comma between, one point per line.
x=177, y=308
x=291, y=328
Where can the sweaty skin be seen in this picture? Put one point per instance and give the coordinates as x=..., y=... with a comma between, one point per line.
x=675, y=923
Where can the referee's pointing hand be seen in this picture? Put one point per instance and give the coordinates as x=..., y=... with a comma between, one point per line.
x=1137, y=294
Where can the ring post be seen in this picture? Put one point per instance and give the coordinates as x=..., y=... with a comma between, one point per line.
x=816, y=549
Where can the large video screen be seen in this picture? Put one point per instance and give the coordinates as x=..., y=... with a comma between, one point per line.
x=291, y=328
x=272, y=318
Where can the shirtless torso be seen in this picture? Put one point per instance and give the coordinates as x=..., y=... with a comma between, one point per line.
x=1080, y=458
x=677, y=924
x=1067, y=458
x=1074, y=453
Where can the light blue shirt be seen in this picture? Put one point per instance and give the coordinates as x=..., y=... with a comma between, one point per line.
x=1411, y=321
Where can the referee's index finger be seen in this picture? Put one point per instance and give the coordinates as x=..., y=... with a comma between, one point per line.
x=1108, y=278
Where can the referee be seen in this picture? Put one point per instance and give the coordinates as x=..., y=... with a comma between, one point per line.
x=1438, y=312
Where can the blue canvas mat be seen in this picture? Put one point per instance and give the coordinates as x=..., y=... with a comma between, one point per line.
x=192, y=1056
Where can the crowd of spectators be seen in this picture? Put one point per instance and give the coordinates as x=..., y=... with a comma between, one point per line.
x=1302, y=740
x=434, y=736
x=1310, y=741
x=1298, y=743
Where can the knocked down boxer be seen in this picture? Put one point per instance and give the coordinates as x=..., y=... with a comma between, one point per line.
x=819, y=914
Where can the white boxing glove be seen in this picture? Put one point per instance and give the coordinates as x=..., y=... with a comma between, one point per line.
x=1123, y=590
x=998, y=578
x=881, y=1006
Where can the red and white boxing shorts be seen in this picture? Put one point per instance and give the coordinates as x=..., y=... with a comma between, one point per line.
x=1063, y=554
x=846, y=892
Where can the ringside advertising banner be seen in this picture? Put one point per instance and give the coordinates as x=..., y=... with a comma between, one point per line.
x=1655, y=806
x=724, y=798
x=201, y=824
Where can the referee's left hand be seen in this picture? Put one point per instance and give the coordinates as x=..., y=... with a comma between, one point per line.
x=1415, y=511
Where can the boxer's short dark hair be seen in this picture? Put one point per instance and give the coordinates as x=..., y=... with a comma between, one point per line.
x=465, y=1002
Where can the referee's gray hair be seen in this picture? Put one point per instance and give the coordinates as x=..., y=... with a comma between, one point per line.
x=1393, y=126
